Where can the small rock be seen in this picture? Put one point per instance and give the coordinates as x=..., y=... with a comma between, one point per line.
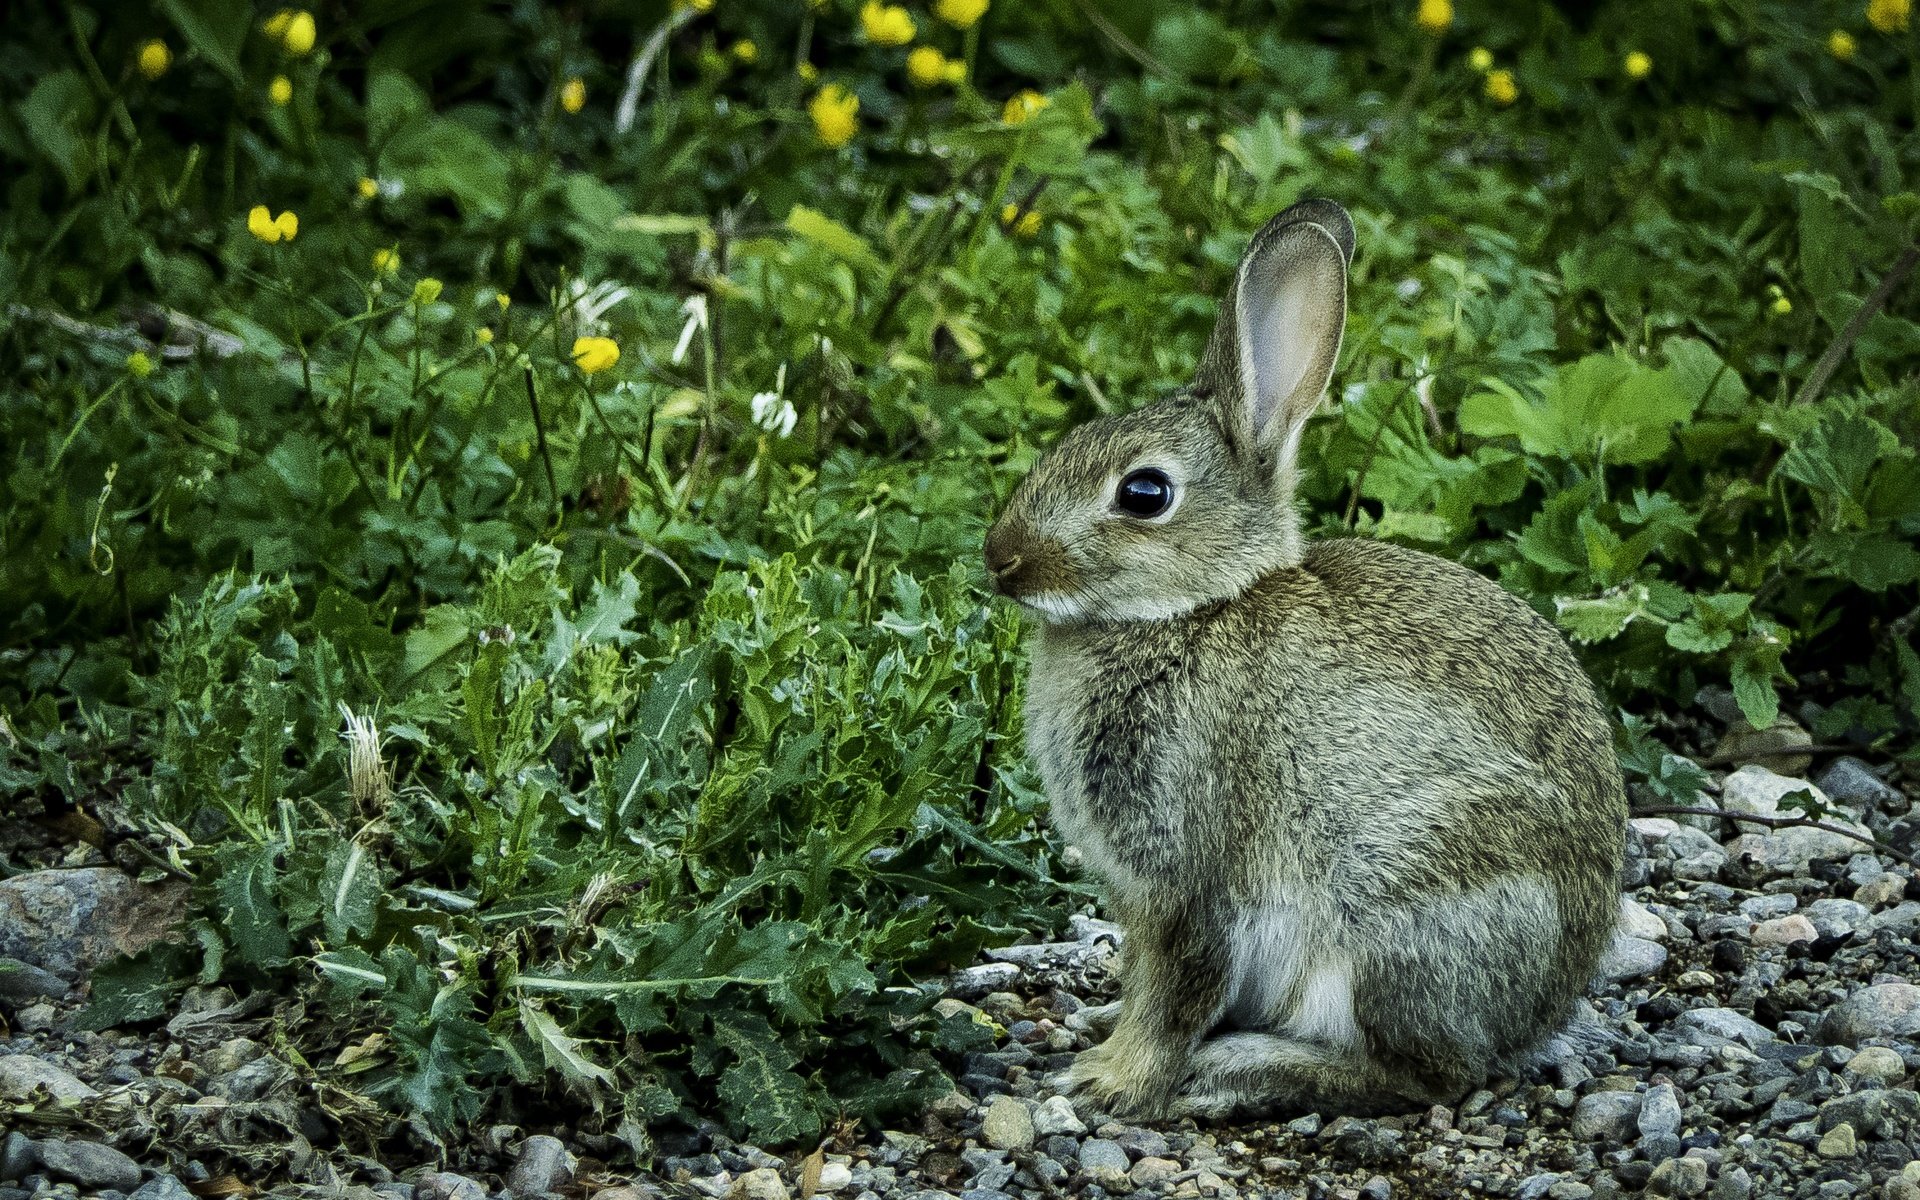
x=1606, y=1117
x=1784, y=931
x=1876, y=1064
x=972, y=983
x=1733, y=1184
x=542, y=1165
x=1678, y=1177
x=835, y=1176
x=22, y=982
x=20, y=1074
x=1882, y=1010
x=1631, y=958
x=1637, y=921
x=90, y=1164
x=1778, y=748
x=1106, y=1162
x=1008, y=1125
x=1054, y=1116
x=166, y=1187
x=18, y=1156
x=1879, y=893
x=1726, y=1023
x=1871, y=1112
x=1660, y=1112
x=1773, y=904
x=1905, y=1185
x=1851, y=782
x=70, y=921
x=1838, y=1142
x=1139, y=1143
x=1377, y=1188
x=1149, y=1171
x=1836, y=918
x=445, y=1185
x=761, y=1183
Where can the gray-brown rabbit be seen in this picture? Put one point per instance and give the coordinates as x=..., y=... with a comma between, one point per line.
x=1355, y=805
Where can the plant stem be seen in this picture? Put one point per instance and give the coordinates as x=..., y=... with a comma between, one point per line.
x=1830, y=361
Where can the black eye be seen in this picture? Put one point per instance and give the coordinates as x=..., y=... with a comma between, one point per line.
x=1145, y=493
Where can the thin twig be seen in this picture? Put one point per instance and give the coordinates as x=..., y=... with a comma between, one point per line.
x=1780, y=823
x=540, y=436
x=1877, y=300
x=1784, y=751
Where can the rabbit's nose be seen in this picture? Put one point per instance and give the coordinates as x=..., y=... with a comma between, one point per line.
x=1003, y=565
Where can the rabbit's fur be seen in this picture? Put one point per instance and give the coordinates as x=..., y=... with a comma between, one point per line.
x=1356, y=806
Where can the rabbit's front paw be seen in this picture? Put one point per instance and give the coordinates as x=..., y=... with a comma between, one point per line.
x=1125, y=1077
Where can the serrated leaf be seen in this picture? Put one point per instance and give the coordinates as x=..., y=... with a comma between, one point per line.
x=1596, y=619
x=561, y=1053
x=760, y=1089
x=130, y=990
x=830, y=235
x=350, y=890
x=248, y=904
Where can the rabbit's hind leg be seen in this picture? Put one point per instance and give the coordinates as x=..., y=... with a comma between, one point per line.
x=1247, y=1073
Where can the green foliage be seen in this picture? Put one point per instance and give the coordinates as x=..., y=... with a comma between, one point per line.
x=697, y=735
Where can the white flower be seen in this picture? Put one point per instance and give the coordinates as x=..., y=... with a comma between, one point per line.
x=772, y=411
x=589, y=303
x=367, y=778
x=696, y=310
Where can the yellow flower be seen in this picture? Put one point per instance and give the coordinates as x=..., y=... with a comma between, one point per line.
x=386, y=261
x=368, y=187
x=1480, y=59
x=700, y=6
x=276, y=25
x=886, y=24
x=280, y=91
x=1434, y=16
x=1889, y=16
x=483, y=335
x=1501, y=89
x=832, y=109
x=1020, y=107
x=270, y=229
x=427, y=290
x=746, y=51
x=1781, y=306
x=139, y=365
x=573, y=95
x=1638, y=64
x=594, y=354
x=299, y=33
x=503, y=300
x=155, y=58
x=961, y=14
x=807, y=72
x=956, y=71
x=926, y=67
x=1022, y=225
x=1840, y=45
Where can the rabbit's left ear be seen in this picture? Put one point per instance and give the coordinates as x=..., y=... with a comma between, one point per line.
x=1278, y=334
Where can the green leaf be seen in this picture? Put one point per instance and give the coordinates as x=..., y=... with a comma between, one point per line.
x=1601, y=407
x=1835, y=457
x=246, y=898
x=760, y=1089
x=215, y=28
x=562, y=1053
x=350, y=890
x=481, y=693
x=139, y=988
x=831, y=236
x=57, y=114
x=1598, y=619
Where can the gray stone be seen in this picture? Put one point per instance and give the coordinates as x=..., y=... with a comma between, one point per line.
x=1679, y=1177
x=1733, y=1184
x=1838, y=1142
x=21, y=1074
x=1636, y=920
x=1905, y=1185
x=1882, y=1010
x=542, y=1165
x=1769, y=906
x=1141, y=1143
x=18, y=1156
x=1726, y=1023
x=1106, y=1162
x=166, y=1187
x=1631, y=958
x=21, y=983
x=988, y=1168
x=1055, y=1116
x=1150, y=1171
x=1876, y=1064
x=445, y=1185
x=1784, y=931
x=90, y=1164
x=1851, y=782
x=1834, y=917
x=1660, y=1112
x=835, y=1176
x=1008, y=1125
x=68, y=922
x=761, y=1183
x=1608, y=1117
x=1872, y=1112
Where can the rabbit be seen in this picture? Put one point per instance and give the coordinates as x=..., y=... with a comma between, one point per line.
x=1355, y=806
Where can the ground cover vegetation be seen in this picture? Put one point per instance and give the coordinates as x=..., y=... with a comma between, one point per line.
x=491, y=493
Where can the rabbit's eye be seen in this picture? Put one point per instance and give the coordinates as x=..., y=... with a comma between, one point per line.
x=1144, y=493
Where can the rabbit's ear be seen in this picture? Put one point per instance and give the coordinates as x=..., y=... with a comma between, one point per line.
x=1278, y=335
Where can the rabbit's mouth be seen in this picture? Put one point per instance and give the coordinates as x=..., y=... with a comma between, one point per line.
x=1023, y=567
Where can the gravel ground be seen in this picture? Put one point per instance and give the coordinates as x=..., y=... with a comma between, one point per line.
x=1756, y=1033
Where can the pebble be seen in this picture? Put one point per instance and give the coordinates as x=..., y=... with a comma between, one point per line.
x=1631, y=958
x=761, y=1183
x=1055, y=1115
x=1838, y=1142
x=542, y=1165
x=1106, y=1162
x=1008, y=1125
x=69, y=921
x=835, y=1176
x=1905, y=1185
x=90, y=1164
x=1660, y=1112
x=1636, y=920
x=21, y=1074
x=21, y=982
x=1849, y=781
x=1678, y=1177
x=1150, y=1171
x=1784, y=931
x=1606, y=1116
x=1726, y=1023
x=167, y=1187
x=1882, y=1010
x=18, y=1156
x=445, y=1185
x=1140, y=1143
x=1876, y=1064
x=1733, y=1184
